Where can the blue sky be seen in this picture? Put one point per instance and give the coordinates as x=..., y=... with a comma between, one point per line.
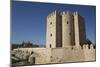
x=29, y=20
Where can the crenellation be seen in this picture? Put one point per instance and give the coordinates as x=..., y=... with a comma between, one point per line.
x=85, y=46
x=63, y=12
x=91, y=46
x=51, y=14
x=76, y=13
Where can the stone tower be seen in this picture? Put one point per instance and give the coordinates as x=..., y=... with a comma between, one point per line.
x=79, y=27
x=54, y=30
x=67, y=29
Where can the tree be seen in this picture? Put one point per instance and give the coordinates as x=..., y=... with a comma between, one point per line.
x=88, y=42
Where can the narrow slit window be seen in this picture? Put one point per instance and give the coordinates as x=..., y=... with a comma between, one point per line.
x=51, y=35
x=50, y=45
x=67, y=22
x=50, y=22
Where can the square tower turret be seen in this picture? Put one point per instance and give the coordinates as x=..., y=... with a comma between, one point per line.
x=68, y=29
x=54, y=30
x=79, y=27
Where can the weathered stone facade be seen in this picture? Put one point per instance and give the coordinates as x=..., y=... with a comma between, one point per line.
x=54, y=30
x=65, y=29
x=59, y=55
x=65, y=41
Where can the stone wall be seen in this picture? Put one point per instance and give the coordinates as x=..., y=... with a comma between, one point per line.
x=90, y=54
x=60, y=55
x=40, y=54
x=75, y=54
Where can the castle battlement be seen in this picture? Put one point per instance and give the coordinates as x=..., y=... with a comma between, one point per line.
x=63, y=13
x=66, y=13
x=75, y=13
x=87, y=46
x=56, y=55
x=53, y=13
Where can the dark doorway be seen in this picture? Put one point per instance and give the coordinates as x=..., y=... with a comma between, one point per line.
x=33, y=60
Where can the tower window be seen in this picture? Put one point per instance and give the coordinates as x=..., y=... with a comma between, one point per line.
x=50, y=45
x=67, y=22
x=50, y=34
x=50, y=22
